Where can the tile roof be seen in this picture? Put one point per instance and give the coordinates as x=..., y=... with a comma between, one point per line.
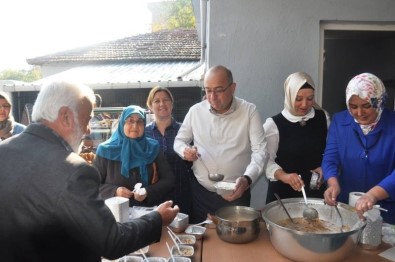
x=166, y=45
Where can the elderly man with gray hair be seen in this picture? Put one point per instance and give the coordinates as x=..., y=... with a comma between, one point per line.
x=50, y=199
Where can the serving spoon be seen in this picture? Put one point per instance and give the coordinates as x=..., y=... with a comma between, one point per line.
x=212, y=176
x=309, y=213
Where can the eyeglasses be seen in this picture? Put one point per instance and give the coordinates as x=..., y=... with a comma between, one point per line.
x=130, y=121
x=6, y=107
x=217, y=91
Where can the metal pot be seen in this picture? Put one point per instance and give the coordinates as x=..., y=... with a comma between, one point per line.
x=237, y=224
x=305, y=246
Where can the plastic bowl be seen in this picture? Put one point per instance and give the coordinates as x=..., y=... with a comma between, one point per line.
x=131, y=259
x=180, y=223
x=197, y=231
x=225, y=188
x=179, y=259
x=187, y=239
x=185, y=251
x=155, y=259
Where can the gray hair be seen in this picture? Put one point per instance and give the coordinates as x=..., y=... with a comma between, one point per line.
x=55, y=95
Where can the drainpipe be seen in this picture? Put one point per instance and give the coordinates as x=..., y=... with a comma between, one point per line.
x=203, y=27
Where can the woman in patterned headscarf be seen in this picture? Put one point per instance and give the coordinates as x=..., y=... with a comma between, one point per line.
x=296, y=141
x=8, y=127
x=360, y=151
x=129, y=157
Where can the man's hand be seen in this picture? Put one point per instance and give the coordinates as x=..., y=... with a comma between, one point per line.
x=167, y=212
x=191, y=153
x=241, y=186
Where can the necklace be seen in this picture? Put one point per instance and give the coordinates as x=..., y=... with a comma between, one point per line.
x=302, y=122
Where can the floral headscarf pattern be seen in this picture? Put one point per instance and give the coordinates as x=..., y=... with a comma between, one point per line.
x=370, y=88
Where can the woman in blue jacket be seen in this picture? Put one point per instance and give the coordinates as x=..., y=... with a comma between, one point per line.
x=360, y=150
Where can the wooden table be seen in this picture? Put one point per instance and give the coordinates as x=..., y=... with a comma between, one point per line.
x=261, y=249
x=160, y=249
x=213, y=249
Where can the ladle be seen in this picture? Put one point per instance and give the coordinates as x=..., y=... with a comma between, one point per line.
x=309, y=213
x=286, y=211
x=213, y=177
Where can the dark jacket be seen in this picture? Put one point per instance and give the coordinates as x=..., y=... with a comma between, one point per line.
x=51, y=208
x=160, y=178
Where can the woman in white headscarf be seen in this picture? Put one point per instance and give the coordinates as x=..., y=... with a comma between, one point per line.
x=296, y=141
x=360, y=152
x=8, y=126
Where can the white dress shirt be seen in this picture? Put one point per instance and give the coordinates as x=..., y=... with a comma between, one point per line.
x=232, y=143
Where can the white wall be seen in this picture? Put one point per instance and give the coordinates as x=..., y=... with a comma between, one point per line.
x=263, y=41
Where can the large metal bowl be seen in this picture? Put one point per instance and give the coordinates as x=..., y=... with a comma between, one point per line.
x=304, y=246
x=238, y=224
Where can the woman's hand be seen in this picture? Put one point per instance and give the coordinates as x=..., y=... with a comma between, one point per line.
x=292, y=179
x=124, y=192
x=365, y=203
x=332, y=191
x=140, y=194
x=369, y=199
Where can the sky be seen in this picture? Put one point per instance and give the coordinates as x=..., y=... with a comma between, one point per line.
x=30, y=28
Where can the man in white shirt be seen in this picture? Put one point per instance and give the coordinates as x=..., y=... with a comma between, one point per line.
x=227, y=134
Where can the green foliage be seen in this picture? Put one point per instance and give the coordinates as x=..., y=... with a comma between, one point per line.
x=175, y=14
x=22, y=75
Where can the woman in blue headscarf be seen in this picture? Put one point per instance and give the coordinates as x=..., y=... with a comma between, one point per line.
x=128, y=157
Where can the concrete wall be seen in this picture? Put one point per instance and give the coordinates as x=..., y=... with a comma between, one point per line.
x=263, y=41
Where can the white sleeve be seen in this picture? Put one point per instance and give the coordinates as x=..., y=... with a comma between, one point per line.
x=259, y=154
x=184, y=136
x=272, y=139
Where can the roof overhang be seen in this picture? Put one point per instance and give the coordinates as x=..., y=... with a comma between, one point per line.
x=124, y=76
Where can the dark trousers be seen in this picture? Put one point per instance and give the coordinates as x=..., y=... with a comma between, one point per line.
x=206, y=202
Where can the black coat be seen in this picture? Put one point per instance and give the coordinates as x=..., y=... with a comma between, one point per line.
x=160, y=180
x=51, y=209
